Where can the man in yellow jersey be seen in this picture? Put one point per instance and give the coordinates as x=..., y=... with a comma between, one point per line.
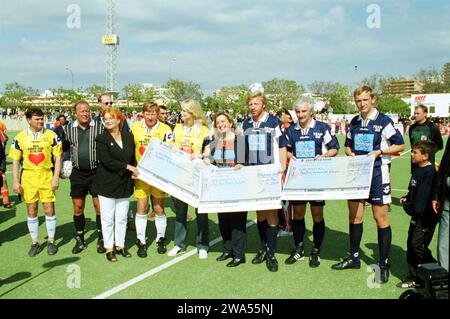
x=36, y=146
x=146, y=129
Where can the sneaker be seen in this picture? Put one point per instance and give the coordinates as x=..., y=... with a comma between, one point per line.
x=384, y=275
x=272, y=263
x=51, y=248
x=80, y=245
x=101, y=246
x=34, y=250
x=347, y=263
x=161, y=245
x=202, y=254
x=175, y=251
x=142, y=249
x=297, y=254
x=314, y=259
x=260, y=257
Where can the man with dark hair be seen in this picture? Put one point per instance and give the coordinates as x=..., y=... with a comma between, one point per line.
x=37, y=148
x=424, y=129
x=79, y=138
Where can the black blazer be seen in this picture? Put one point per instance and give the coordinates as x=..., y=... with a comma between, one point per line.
x=112, y=179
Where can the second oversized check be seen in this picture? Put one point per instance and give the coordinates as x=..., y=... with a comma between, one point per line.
x=329, y=178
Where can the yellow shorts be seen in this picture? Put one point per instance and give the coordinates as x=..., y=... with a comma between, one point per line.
x=37, y=185
x=143, y=190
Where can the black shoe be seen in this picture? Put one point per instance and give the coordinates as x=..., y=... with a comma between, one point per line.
x=314, y=259
x=384, y=275
x=142, y=249
x=101, y=246
x=34, y=250
x=80, y=245
x=111, y=256
x=9, y=205
x=161, y=245
x=347, y=263
x=236, y=262
x=123, y=252
x=260, y=257
x=225, y=255
x=296, y=254
x=272, y=263
x=51, y=248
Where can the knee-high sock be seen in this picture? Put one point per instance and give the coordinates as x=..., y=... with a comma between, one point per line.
x=161, y=225
x=356, y=231
x=98, y=222
x=384, y=244
x=262, y=225
x=33, y=228
x=79, y=222
x=298, y=230
x=318, y=233
x=141, y=227
x=50, y=223
x=271, y=234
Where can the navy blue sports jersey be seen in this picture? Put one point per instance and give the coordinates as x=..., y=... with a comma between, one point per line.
x=261, y=140
x=375, y=133
x=316, y=139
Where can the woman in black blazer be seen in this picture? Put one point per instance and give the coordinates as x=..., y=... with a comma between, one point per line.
x=113, y=181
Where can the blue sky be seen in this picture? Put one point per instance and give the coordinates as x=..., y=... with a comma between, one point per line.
x=221, y=43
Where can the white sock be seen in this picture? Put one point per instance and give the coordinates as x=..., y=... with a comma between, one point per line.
x=141, y=227
x=33, y=228
x=50, y=223
x=161, y=225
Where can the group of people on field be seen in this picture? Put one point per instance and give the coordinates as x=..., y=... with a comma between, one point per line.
x=104, y=152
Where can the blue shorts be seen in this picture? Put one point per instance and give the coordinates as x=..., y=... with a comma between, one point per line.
x=380, y=188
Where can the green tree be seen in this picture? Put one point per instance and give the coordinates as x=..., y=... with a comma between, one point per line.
x=226, y=98
x=138, y=93
x=378, y=82
x=65, y=96
x=282, y=93
x=432, y=80
x=339, y=96
x=392, y=104
x=179, y=90
x=15, y=94
x=94, y=91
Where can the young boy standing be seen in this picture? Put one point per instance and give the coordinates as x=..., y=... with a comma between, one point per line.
x=417, y=204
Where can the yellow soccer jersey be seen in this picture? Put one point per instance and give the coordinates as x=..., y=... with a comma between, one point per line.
x=36, y=149
x=190, y=139
x=143, y=135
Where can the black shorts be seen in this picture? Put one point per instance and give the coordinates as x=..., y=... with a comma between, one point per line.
x=81, y=183
x=314, y=203
x=3, y=166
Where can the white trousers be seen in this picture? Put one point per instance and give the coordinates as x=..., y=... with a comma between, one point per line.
x=114, y=215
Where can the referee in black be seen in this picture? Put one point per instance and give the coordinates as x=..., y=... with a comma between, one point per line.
x=79, y=138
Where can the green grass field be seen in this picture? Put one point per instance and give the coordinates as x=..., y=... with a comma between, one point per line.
x=47, y=276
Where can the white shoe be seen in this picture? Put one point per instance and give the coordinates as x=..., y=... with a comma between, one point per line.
x=175, y=251
x=202, y=254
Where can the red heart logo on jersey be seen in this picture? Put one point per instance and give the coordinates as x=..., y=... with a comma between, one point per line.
x=36, y=158
x=142, y=150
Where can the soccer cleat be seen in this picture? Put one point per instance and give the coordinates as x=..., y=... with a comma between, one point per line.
x=260, y=257
x=52, y=249
x=8, y=205
x=80, y=245
x=142, y=249
x=202, y=254
x=175, y=251
x=101, y=246
x=34, y=250
x=225, y=255
x=314, y=259
x=347, y=263
x=161, y=245
x=272, y=263
x=297, y=254
x=384, y=275
x=236, y=262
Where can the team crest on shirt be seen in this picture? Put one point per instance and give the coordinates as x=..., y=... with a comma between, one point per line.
x=377, y=128
x=413, y=183
x=318, y=135
x=386, y=189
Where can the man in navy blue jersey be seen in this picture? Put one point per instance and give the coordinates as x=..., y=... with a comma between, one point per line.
x=308, y=139
x=262, y=133
x=371, y=133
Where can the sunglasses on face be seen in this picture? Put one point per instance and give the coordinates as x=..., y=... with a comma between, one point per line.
x=108, y=103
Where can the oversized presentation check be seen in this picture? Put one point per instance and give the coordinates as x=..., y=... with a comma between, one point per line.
x=234, y=190
x=329, y=178
x=171, y=171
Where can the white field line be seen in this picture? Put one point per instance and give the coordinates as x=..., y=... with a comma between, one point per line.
x=156, y=270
